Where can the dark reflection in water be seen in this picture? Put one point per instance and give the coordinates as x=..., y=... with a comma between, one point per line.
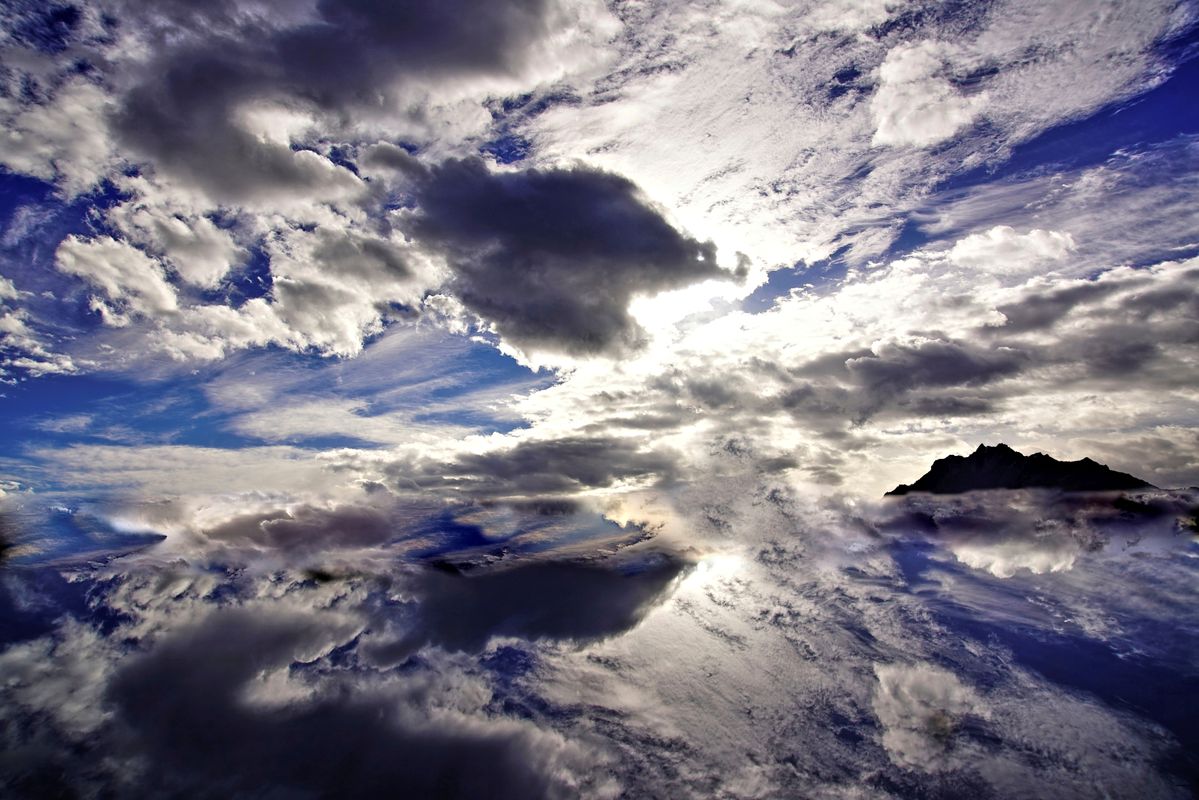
x=159, y=671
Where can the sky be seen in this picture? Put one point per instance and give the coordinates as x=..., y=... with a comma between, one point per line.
x=854, y=236
x=323, y=287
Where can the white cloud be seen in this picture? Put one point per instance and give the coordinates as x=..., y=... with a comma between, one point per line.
x=1133, y=207
x=24, y=350
x=165, y=471
x=63, y=140
x=914, y=103
x=200, y=252
x=1004, y=251
x=62, y=676
x=133, y=282
x=920, y=708
x=7, y=290
x=1004, y=559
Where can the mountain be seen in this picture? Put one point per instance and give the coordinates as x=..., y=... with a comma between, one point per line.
x=1001, y=467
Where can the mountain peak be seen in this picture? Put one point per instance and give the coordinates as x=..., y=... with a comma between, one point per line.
x=1000, y=467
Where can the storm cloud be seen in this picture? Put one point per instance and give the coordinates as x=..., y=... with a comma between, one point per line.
x=553, y=257
x=348, y=58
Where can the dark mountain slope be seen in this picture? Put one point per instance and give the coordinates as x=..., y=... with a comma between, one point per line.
x=1001, y=467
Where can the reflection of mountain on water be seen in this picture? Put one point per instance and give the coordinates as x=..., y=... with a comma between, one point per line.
x=1001, y=467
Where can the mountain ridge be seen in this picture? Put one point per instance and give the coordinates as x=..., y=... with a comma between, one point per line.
x=1000, y=467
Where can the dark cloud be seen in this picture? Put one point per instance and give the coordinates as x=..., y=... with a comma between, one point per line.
x=553, y=257
x=817, y=401
x=1040, y=311
x=385, y=155
x=355, y=255
x=425, y=528
x=1168, y=301
x=575, y=602
x=8, y=531
x=934, y=377
x=306, y=529
x=893, y=369
x=533, y=468
x=945, y=405
x=660, y=418
x=713, y=393
x=1106, y=330
x=181, y=708
x=350, y=58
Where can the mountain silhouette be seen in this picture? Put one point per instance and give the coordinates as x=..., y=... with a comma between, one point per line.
x=1001, y=467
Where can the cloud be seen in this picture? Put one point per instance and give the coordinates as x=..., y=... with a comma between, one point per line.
x=1005, y=559
x=1003, y=250
x=182, y=704
x=200, y=252
x=553, y=257
x=1133, y=207
x=23, y=351
x=62, y=676
x=250, y=138
x=893, y=369
x=636, y=673
x=1040, y=531
x=134, y=283
x=570, y=602
x=791, y=173
x=357, y=59
x=914, y=103
x=622, y=575
x=534, y=468
x=175, y=470
x=63, y=139
x=920, y=708
x=300, y=531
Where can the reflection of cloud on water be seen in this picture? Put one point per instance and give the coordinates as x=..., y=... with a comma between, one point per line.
x=762, y=643
x=921, y=707
x=1005, y=559
x=1004, y=532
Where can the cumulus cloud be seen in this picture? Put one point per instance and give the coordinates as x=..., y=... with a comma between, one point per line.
x=133, y=282
x=914, y=103
x=63, y=139
x=553, y=257
x=1002, y=249
x=200, y=252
